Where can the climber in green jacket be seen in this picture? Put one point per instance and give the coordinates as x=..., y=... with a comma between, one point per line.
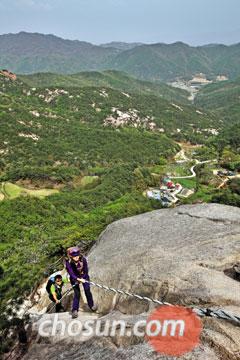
x=54, y=288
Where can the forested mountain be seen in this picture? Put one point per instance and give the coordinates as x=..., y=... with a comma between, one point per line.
x=121, y=45
x=167, y=62
x=33, y=117
x=109, y=78
x=29, y=53
x=223, y=99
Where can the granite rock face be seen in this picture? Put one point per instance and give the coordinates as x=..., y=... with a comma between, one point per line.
x=179, y=255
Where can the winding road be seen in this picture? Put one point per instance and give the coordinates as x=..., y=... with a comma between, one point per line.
x=192, y=170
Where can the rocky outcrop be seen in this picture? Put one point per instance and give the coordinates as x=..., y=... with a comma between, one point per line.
x=176, y=254
x=8, y=74
x=179, y=255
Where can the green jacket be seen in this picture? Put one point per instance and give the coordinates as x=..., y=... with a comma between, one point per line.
x=57, y=289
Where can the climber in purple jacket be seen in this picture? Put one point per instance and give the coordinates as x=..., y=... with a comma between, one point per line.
x=77, y=268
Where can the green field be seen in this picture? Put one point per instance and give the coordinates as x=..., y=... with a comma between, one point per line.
x=85, y=181
x=172, y=168
x=12, y=191
x=187, y=183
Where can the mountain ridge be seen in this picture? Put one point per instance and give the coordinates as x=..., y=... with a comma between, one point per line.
x=27, y=53
x=108, y=78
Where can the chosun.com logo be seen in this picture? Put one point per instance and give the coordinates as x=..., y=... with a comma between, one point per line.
x=173, y=330
x=170, y=330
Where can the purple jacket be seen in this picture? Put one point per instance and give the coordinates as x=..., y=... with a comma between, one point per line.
x=76, y=270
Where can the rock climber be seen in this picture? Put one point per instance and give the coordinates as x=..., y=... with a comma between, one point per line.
x=54, y=288
x=77, y=267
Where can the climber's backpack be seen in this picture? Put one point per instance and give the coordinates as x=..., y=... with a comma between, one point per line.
x=49, y=284
x=51, y=281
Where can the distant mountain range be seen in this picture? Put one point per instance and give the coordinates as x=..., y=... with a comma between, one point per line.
x=121, y=45
x=27, y=53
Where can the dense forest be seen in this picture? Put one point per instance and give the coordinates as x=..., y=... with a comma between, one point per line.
x=110, y=79
x=222, y=98
x=228, y=147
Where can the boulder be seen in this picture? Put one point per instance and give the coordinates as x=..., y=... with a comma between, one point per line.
x=176, y=255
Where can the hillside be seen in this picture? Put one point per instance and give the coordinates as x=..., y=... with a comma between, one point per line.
x=66, y=127
x=30, y=53
x=223, y=98
x=112, y=79
x=60, y=110
x=168, y=62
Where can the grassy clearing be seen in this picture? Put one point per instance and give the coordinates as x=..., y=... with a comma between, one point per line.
x=85, y=181
x=179, y=169
x=187, y=183
x=204, y=194
x=41, y=193
x=158, y=169
x=3, y=246
x=12, y=191
x=173, y=169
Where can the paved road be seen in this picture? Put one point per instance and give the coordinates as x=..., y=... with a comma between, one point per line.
x=192, y=170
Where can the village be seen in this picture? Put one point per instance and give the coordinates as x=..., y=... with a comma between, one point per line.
x=196, y=83
x=169, y=193
x=174, y=188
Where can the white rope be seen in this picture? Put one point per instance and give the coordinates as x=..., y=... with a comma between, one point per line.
x=220, y=314
x=207, y=312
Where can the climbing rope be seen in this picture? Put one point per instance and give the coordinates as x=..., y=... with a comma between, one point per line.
x=219, y=314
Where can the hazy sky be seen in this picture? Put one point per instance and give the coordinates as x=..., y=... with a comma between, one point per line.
x=99, y=21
